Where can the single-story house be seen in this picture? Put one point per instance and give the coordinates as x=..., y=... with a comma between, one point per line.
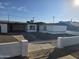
x=46, y=27
x=10, y=26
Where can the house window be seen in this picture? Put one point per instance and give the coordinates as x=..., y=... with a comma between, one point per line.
x=32, y=27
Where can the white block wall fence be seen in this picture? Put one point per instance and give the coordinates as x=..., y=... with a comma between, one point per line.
x=14, y=49
x=73, y=32
x=67, y=41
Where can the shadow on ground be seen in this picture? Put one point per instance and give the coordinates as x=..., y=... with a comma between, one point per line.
x=58, y=53
x=36, y=36
x=18, y=57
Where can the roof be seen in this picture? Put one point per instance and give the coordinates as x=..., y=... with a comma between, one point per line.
x=36, y=23
x=46, y=23
x=58, y=24
x=17, y=22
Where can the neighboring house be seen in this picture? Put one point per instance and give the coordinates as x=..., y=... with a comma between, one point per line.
x=32, y=27
x=46, y=28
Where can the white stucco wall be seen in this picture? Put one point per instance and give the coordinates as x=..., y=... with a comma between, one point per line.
x=10, y=49
x=4, y=28
x=13, y=49
x=58, y=28
x=28, y=28
x=53, y=29
x=67, y=41
x=41, y=28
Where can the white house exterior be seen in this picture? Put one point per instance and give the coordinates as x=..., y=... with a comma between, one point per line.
x=46, y=28
x=3, y=28
x=6, y=27
x=53, y=29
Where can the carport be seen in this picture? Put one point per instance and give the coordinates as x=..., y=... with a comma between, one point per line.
x=16, y=27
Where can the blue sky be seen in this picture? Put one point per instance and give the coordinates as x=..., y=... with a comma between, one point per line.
x=42, y=10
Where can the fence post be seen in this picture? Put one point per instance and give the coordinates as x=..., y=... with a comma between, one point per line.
x=24, y=48
x=60, y=42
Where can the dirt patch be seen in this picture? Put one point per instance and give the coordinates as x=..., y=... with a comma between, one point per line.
x=10, y=38
x=40, y=51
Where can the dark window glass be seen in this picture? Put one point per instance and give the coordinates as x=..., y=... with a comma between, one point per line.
x=32, y=27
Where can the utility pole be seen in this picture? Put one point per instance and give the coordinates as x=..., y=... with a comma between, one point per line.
x=53, y=18
x=71, y=19
x=8, y=17
x=33, y=19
